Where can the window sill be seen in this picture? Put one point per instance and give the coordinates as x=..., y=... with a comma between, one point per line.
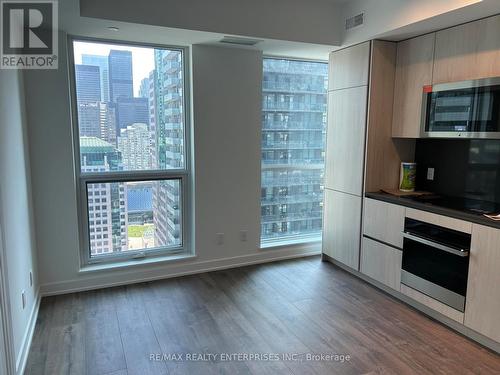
x=287, y=242
x=107, y=266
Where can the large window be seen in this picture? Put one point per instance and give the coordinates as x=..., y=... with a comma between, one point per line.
x=130, y=107
x=293, y=142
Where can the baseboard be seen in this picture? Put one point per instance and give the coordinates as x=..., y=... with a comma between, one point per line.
x=22, y=356
x=459, y=328
x=176, y=269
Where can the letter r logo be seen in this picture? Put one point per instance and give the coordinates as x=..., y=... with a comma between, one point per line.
x=27, y=27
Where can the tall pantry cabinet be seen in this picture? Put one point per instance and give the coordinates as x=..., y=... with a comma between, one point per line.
x=344, y=164
x=361, y=154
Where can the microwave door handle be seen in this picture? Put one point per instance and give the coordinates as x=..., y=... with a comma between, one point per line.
x=435, y=245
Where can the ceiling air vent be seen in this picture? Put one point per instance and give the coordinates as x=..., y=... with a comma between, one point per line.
x=240, y=41
x=354, y=21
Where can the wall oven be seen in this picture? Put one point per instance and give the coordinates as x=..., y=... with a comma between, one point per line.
x=468, y=109
x=436, y=262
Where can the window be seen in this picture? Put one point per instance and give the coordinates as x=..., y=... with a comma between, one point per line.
x=133, y=162
x=293, y=142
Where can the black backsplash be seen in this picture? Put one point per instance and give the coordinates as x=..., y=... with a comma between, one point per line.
x=462, y=168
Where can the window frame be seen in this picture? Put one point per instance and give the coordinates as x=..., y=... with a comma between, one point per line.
x=183, y=175
x=294, y=239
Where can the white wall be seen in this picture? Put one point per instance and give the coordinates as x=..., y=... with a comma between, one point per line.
x=227, y=86
x=227, y=110
x=310, y=21
x=16, y=207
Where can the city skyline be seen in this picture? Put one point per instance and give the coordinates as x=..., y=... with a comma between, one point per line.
x=144, y=58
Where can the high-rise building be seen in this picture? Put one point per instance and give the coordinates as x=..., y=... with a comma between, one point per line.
x=102, y=63
x=293, y=137
x=169, y=124
x=107, y=122
x=144, y=88
x=120, y=75
x=130, y=111
x=152, y=117
x=107, y=202
x=134, y=143
x=88, y=118
x=88, y=83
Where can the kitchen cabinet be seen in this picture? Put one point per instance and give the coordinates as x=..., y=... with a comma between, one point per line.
x=384, y=222
x=482, y=309
x=345, y=150
x=414, y=64
x=381, y=262
x=468, y=51
x=349, y=67
x=342, y=227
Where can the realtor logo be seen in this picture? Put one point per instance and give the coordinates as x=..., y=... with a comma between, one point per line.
x=29, y=34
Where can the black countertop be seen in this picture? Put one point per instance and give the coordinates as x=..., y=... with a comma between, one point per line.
x=458, y=214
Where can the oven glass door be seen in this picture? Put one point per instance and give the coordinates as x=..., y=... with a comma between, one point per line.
x=441, y=268
x=472, y=110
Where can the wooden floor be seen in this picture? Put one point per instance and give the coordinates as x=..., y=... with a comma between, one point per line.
x=297, y=307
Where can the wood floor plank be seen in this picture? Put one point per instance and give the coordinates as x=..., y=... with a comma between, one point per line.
x=103, y=343
x=300, y=306
x=138, y=337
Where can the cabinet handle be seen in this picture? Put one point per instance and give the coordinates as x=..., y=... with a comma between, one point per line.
x=435, y=245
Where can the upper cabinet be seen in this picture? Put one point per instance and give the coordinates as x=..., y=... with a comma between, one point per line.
x=413, y=71
x=468, y=51
x=349, y=67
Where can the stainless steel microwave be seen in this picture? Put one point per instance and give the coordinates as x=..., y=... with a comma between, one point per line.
x=468, y=109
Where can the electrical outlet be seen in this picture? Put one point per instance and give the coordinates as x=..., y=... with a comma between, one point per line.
x=430, y=174
x=220, y=238
x=23, y=297
x=31, y=278
x=243, y=235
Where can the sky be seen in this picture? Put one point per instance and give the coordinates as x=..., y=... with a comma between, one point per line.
x=142, y=58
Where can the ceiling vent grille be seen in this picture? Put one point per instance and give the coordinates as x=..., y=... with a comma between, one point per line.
x=240, y=41
x=355, y=21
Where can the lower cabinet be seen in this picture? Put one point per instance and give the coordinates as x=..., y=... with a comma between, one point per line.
x=342, y=227
x=482, y=308
x=381, y=262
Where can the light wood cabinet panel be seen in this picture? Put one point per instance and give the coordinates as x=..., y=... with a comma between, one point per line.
x=482, y=309
x=345, y=151
x=383, y=152
x=342, y=227
x=424, y=299
x=468, y=51
x=384, y=221
x=440, y=220
x=414, y=64
x=348, y=67
x=381, y=262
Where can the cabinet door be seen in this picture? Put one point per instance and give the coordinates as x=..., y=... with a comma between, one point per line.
x=413, y=71
x=482, y=309
x=348, y=67
x=384, y=222
x=346, y=140
x=381, y=262
x=468, y=51
x=342, y=227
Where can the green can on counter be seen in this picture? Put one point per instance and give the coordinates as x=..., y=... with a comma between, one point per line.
x=407, y=176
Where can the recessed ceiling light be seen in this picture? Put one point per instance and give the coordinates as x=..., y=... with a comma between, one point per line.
x=113, y=28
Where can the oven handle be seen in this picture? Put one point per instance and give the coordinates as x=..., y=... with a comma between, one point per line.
x=460, y=253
